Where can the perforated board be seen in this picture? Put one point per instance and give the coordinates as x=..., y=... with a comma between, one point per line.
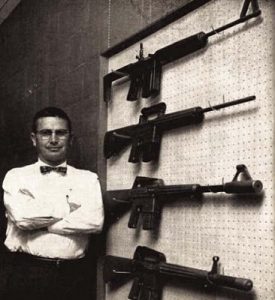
x=240, y=230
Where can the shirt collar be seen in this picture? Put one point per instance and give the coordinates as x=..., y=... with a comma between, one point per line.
x=41, y=163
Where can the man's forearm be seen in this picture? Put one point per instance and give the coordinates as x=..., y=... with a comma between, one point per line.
x=34, y=223
x=80, y=221
x=28, y=212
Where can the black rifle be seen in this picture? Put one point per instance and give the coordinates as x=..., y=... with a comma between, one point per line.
x=145, y=74
x=145, y=137
x=147, y=196
x=149, y=270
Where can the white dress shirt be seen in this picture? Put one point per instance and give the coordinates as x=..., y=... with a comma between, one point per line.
x=52, y=215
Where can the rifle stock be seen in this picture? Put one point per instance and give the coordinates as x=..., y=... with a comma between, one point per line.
x=117, y=268
x=115, y=142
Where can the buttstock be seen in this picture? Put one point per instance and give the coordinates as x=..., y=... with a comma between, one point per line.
x=114, y=143
x=117, y=200
x=116, y=268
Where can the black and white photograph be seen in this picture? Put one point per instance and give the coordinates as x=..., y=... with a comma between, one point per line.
x=137, y=149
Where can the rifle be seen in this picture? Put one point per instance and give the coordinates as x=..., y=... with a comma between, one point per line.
x=149, y=270
x=148, y=194
x=145, y=74
x=145, y=136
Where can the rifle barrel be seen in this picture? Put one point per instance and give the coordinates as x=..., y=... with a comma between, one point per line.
x=231, y=103
x=234, y=23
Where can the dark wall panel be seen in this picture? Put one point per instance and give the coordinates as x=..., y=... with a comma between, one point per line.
x=49, y=55
x=127, y=17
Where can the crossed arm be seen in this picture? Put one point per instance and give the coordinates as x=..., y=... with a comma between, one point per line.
x=30, y=212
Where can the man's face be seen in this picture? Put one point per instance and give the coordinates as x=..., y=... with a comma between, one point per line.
x=52, y=140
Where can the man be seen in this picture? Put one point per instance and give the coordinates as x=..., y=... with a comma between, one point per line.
x=51, y=208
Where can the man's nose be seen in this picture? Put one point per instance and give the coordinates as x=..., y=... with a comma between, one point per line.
x=53, y=138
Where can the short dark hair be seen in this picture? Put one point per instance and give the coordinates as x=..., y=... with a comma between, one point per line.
x=50, y=111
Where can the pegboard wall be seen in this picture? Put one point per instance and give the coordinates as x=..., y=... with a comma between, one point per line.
x=240, y=230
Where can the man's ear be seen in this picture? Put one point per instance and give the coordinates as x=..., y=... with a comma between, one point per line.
x=33, y=138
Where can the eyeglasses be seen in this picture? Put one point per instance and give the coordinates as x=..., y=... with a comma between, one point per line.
x=46, y=134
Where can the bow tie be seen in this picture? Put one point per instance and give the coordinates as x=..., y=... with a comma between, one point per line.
x=48, y=169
